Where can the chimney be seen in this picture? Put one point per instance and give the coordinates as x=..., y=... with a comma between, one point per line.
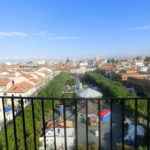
x=13, y=82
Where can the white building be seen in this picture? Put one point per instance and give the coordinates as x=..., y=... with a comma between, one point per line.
x=139, y=63
x=60, y=137
x=143, y=69
x=83, y=64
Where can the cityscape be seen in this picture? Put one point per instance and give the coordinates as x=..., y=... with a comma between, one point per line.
x=83, y=78
x=74, y=75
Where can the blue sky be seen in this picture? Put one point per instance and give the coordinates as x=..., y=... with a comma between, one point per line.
x=73, y=28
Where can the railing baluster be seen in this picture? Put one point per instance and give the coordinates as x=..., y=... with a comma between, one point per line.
x=33, y=122
x=123, y=116
x=54, y=124
x=111, y=138
x=76, y=124
x=87, y=136
x=14, y=123
x=99, y=123
x=23, y=120
x=65, y=115
x=43, y=120
x=5, y=125
x=135, y=133
x=65, y=132
x=148, y=129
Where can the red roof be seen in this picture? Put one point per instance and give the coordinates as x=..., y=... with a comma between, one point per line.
x=4, y=82
x=108, y=67
x=20, y=87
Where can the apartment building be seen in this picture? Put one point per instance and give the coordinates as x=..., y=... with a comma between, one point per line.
x=60, y=135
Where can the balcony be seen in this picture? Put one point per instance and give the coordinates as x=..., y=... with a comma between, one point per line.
x=74, y=123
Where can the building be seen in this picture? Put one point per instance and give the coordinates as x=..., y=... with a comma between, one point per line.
x=19, y=80
x=133, y=73
x=3, y=84
x=108, y=68
x=139, y=63
x=60, y=135
x=144, y=69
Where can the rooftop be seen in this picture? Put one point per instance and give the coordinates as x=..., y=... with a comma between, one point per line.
x=20, y=87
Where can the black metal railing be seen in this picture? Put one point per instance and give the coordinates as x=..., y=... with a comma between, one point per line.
x=74, y=123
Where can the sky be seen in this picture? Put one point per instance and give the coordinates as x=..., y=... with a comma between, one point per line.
x=74, y=28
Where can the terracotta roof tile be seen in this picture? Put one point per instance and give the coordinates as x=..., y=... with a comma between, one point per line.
x=4, y=82
x=20, y=87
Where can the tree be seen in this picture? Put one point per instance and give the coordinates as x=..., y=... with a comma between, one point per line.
x=54, y=88
x=147, y=59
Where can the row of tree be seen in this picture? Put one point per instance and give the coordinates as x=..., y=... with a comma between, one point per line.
x=141, y=86
x=109, y=88
x=112, y=88
x=54, y=88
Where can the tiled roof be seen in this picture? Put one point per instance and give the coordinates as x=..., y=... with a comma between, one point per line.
x=32, y=78
x=20, y=87
x=108, y=66
x=69, y=124
x=4, y=82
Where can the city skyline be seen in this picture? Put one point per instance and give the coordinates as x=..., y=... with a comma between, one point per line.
x=74, y=28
